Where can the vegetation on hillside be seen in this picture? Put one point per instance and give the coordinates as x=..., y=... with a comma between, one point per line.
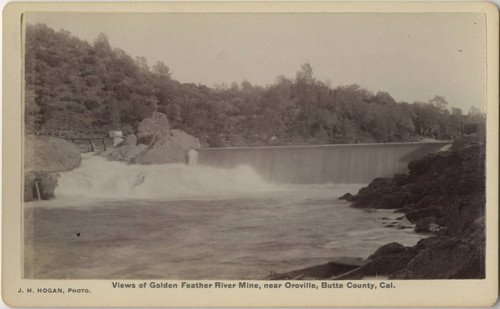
x=83, y=88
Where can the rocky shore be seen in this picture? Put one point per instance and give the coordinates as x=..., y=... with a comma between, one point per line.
x=443, y=194
x=44, y=158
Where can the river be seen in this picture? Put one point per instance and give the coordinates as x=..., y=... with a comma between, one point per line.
x=112, y=220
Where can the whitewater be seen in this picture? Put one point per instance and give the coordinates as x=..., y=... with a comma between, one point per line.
x=113, y=220
x=97, y=177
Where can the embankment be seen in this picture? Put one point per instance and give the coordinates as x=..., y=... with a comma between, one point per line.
x=44, y=157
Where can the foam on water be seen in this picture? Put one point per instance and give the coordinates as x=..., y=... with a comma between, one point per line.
x=97, y=177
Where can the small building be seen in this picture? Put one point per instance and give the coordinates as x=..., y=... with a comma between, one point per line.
x=115, y=134
x=117, y=137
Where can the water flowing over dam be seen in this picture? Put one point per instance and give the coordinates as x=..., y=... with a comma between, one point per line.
x=352, y=163
x=97, y=177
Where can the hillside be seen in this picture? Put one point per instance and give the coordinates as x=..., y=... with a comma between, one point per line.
x=83, y=88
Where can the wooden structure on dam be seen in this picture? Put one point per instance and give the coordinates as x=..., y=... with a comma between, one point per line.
x=92, y=144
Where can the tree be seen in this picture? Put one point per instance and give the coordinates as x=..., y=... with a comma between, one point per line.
x=456, y=112
x=71, y=81
x=142, y=63
x=305, y=75
x=162, y=69
x=439, y=102
x=101, y=44
x=475, y=115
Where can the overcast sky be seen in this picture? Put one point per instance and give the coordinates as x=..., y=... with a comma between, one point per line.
x=411, y=56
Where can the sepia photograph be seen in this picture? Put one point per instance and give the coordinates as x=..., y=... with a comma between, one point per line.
x=273, y=149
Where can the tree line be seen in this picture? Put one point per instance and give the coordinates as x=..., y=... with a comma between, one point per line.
x=83, y=88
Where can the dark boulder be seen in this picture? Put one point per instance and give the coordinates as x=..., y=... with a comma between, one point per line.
x=40, y=185
x=414, y=215
x=46, y=183
x=426, y=202
x=391, y=248
x=381, y=184
x=388, y=260
x=401, y=179
x=426, y=225
x=348, y=197
x=382, y=193
x=433, y=163
x=447, y=258
x=392, y=200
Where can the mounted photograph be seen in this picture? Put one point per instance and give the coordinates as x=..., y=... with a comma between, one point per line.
x=221, y=146
x=297, y=150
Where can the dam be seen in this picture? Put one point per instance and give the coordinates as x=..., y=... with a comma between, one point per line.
x=322, y=164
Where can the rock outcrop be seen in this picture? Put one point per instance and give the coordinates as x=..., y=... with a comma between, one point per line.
x=124, y=153
x=152, y=128
x=154, y=143
x=443, y=193
x=44, y=157
x=130, y=140
x=171, y=148
x=50, y=154
x=445, y=188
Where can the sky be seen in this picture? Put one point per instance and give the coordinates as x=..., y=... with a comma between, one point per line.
x=409, y=55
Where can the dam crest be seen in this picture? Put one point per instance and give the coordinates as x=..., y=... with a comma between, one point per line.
x=321, y=164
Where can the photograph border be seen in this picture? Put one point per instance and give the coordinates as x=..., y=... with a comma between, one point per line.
x=102, y=294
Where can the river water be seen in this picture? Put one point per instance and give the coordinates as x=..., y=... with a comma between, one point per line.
x=112, y=220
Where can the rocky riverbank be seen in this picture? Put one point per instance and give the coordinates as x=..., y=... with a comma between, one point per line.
x=442, y=194
x=44, y=158
x=154, y=143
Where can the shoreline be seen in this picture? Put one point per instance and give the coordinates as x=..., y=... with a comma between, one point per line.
x=444, y=194
x=342, y=267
